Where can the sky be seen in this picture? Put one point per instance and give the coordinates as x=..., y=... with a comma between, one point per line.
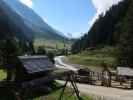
x=71, y=17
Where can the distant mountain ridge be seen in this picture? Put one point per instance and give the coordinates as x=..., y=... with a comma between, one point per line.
x=23, y=20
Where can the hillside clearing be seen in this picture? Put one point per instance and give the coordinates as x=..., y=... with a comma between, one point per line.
x=94, y=57
x=52, y=44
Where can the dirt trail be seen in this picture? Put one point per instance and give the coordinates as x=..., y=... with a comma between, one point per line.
x=97, y=92
x=104, y=93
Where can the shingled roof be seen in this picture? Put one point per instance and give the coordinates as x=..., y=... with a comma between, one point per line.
x=125, y=71
x=34, y=64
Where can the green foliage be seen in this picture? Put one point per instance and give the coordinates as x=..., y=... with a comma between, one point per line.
x=30, y=47
x=41, y=50
x=125, y=48
x=3, y=74
x=10, y=49
x=51, y=56
x=8, y=52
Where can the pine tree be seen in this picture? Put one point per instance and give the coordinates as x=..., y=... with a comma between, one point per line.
x=41, y=50
x=9, y=55
x=125, y=56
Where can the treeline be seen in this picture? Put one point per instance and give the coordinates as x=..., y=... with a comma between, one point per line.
x=115, y=28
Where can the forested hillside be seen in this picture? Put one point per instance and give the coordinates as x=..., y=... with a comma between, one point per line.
x=112, y=29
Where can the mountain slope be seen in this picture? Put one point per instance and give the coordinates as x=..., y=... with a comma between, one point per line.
x=106, y=30
x=115, y=29
x=24, y=21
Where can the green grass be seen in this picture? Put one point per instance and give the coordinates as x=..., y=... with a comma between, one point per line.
x=67, y=96
x=3, y=74
x=51, y=44
x=95, y=57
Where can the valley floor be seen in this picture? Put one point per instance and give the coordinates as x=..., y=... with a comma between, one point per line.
x=95, y=57
x=97, y=92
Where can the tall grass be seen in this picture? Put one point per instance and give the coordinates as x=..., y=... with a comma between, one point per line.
x=95, y=57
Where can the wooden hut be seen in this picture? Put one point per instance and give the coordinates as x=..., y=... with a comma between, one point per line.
x=125, y=74
x=125, y=71
x=32, y=67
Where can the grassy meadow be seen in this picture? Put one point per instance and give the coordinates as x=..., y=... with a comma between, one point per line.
x=52, y=44
x=95, y=57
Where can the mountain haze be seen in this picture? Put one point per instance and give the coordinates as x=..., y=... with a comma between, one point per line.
x=25, y=22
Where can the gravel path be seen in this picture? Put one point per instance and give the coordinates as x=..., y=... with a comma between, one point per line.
x=104, y=93
x=62, y=65
x=97, y=92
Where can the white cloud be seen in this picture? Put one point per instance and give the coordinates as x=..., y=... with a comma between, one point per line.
x=75, y=34
x=29, y=3
x=102, y=6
